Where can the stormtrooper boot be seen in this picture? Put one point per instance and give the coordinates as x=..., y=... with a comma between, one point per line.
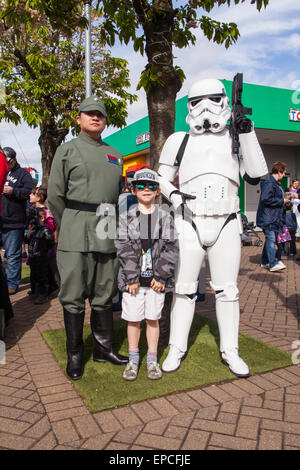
x=228, y=313
x=182, y=315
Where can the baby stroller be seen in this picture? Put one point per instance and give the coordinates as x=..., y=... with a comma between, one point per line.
x=249, y=236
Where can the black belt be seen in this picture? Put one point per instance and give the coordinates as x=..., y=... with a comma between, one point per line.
x=81, y=206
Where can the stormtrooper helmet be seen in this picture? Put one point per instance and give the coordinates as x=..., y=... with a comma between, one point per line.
x=208, y=107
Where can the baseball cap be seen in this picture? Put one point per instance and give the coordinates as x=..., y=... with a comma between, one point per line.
x=9, y=153
x=145, y=174
x=92, y=104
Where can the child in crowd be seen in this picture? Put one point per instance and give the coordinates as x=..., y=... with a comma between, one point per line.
x=148, y=252
x=40, y=240
x=37, y=198
x=291, y=223
x=283, y=238
x=294, y=195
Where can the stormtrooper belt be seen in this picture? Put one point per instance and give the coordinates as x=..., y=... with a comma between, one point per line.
x=229, y=218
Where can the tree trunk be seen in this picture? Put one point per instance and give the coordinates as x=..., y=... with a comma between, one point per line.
x=161, y=98
x=161, y=107
x=161, y=95
x=50, y=139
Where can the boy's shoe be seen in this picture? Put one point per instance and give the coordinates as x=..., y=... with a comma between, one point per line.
x=154, y=371
x=265, y=265
x=41, y=299
x=130, y=372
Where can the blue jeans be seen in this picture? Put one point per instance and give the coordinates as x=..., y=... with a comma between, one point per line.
x=269, y=250
x=12, y=241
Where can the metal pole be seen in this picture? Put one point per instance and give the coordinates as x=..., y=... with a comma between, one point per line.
x=88, y=64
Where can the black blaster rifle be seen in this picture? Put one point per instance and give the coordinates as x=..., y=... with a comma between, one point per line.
x=240, y=124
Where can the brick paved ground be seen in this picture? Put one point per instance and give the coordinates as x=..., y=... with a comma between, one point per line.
x=40, y=409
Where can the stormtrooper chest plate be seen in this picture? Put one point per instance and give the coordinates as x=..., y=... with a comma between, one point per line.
x=209, y=154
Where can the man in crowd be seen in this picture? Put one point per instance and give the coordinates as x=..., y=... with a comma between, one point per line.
x=16, y=191
x=86, y=174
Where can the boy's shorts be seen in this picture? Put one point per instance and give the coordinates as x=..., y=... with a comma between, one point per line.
x=145, y=304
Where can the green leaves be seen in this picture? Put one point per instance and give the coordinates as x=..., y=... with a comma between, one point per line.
x=150, y=77
x=42, y=51
x=218, y=32
x=208, y=5
x=124, y=19
x=119, y=20
x=43, y=68
x=180, y=73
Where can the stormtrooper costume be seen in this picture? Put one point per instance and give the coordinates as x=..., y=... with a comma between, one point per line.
x=206, y=215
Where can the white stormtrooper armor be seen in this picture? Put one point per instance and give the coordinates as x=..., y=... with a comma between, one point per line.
x=208, y=102
x=209, y=222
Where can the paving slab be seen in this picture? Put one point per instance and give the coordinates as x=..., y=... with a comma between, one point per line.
x=41, y=410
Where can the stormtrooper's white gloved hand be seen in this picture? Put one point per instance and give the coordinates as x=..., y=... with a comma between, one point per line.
x=176, y=199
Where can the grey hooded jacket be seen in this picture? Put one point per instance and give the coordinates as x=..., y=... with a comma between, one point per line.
x=165, y=250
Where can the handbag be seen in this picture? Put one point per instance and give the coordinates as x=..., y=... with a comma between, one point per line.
x=284, y=236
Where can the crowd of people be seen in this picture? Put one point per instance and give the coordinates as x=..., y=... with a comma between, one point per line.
x=84, y=265
x=26, y=219
x=279, y=217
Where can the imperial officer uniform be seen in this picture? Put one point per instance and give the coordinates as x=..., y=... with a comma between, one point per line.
x=86, y=176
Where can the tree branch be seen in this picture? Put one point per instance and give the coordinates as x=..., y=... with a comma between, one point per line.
x=22, y=59
x=141, y=8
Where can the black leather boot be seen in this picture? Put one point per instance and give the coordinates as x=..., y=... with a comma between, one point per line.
x=74, y=329
x=2, y=324
x=102, y=330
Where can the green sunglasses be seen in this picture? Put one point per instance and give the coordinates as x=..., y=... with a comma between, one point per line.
x=152, y=187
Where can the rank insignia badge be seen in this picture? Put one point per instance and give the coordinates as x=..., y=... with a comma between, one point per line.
x=113, y=159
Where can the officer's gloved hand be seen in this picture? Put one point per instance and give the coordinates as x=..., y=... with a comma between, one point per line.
x=243, y=125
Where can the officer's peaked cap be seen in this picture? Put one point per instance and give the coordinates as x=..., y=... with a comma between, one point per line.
x=92, y=104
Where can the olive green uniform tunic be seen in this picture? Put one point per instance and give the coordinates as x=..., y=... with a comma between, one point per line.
x=86, y=171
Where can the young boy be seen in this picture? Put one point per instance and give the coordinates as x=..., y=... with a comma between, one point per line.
x=148, y=252
x=40, y=241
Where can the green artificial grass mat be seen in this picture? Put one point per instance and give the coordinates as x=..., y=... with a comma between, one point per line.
x=102, y=386
x=25, y=274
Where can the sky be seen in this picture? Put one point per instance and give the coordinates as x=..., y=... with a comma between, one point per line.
x=267, y=53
